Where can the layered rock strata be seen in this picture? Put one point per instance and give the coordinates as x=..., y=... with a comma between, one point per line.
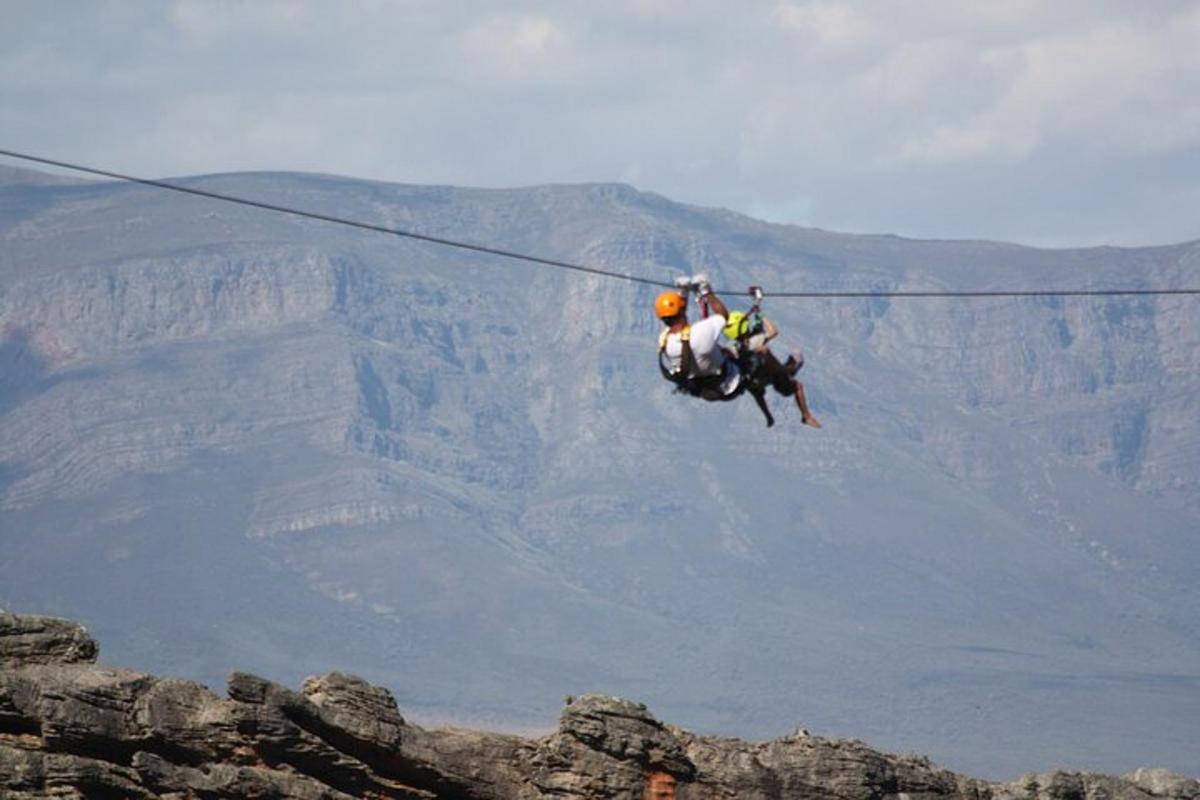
x=72, y=728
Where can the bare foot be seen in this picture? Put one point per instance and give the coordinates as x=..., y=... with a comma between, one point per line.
x=811, y=422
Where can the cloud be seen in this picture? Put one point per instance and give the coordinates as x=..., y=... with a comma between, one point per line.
x=832, y=112
x=829, y=24
x=209, y=21
x=516, y=49
x=1114, y=88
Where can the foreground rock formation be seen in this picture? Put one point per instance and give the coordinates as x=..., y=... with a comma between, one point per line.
x=70, y=728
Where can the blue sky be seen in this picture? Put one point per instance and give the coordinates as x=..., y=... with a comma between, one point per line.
x=1051, y=123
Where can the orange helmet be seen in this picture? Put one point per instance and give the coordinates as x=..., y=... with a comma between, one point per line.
x=670, y=304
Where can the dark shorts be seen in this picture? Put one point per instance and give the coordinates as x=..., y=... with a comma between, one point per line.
x=777, y=375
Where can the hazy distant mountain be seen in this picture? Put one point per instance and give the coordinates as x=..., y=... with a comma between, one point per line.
x=248, y=440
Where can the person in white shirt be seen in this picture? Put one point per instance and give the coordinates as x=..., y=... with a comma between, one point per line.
x=691, y=355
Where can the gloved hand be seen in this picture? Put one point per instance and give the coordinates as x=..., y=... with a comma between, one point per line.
x=700, y=284
x=683, y=283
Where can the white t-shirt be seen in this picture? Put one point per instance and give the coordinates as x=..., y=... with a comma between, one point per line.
x=710, y=358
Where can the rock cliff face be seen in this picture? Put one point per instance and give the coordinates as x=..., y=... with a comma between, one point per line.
x=70, y=728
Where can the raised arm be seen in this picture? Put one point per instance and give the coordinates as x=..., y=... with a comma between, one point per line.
x=716, y=306
x=699, y=282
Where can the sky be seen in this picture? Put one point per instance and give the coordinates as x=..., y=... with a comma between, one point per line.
x=1052, y=123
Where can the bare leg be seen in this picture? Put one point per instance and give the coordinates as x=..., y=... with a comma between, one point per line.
x=805, y=415
x=780, y=377
x=761, y=398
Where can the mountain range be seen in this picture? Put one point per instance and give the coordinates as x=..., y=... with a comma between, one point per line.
x=231, y=438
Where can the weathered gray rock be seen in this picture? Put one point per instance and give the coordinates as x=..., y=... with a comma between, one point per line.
x=111, y=713
x=32, y=774
x=228, y=781
x=1063, y=785
x=43, y=640
x=285, y=729
x=188, y=723
x=81, y=730
x=80, y=708
x=608, y=747
x=1164, y=783
x=626, y=731
x=348, y=706
x=808, y=766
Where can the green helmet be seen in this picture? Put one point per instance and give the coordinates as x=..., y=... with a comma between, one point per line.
x=734, y=324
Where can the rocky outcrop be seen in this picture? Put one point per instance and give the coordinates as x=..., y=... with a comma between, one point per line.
x=1164, y=783
x=608, y=747
x=1138, y=785
x=70, y=728
x=43, y=640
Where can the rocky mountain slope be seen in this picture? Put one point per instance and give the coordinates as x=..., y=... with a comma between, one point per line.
x=70, y=728
x=234, y=440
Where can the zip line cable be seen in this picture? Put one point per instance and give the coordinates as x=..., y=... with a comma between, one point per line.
x=174, y=187
x=478, y=248
x=988, y=293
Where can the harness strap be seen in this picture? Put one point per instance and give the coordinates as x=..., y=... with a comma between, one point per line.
x=684, y=379
x=685, y=335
